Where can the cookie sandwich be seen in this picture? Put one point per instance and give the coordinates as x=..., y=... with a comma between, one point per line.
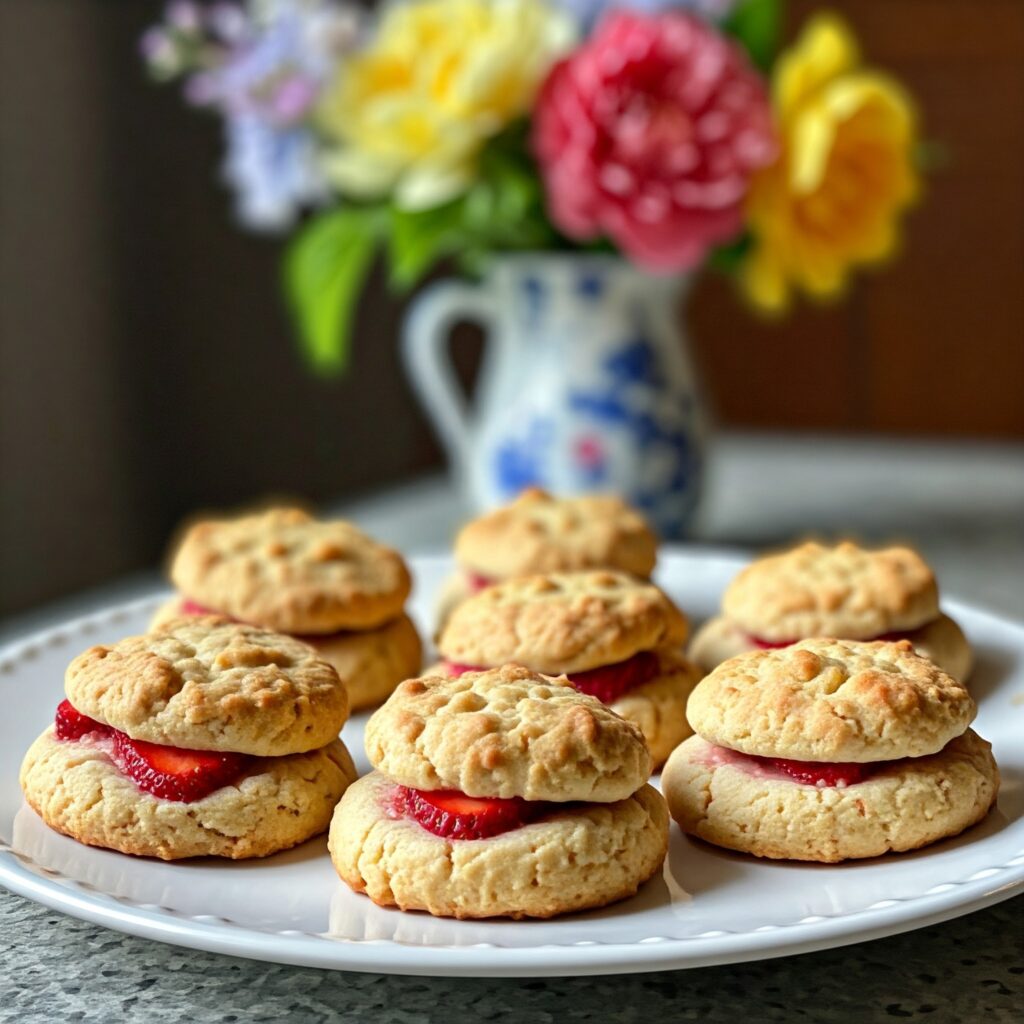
x=539, y=533
x=828, y=750
x=209, y=738
x=843, y=591
x=326, y=583
x=499, y=793
x=616, y=638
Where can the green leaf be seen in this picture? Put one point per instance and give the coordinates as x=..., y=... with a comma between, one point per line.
x=727, y=258
x=325, y=267
x=756, y=24
x=419, y=238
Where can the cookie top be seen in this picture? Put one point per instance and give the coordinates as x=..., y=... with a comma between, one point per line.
x=287, y=571
x=562, y=622
x=831, y=700
x=206, y=683
x=506, y=732
x=846, y=591
x=541, y=533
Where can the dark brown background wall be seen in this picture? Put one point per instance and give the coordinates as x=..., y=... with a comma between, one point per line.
x=146, y=365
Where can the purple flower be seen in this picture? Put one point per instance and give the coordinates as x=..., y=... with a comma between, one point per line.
x=273, y=171
x=262, y=66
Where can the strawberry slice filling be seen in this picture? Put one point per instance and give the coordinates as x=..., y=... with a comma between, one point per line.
x=477, y=582
x=450, y=814
x=822, y=774
x=774, y=645
x=607, y=682
x=171, y=773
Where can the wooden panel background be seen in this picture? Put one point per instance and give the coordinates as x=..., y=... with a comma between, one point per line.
x=933, y=343
x=146, y=363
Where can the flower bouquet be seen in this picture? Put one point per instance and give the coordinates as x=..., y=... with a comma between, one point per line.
x=673, y=134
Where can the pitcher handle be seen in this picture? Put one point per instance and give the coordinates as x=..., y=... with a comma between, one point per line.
x=425, y=353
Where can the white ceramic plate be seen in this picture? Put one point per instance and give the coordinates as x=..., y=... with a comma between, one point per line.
x=708, y=906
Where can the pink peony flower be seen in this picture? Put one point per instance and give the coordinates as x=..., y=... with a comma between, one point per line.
x=648, y=134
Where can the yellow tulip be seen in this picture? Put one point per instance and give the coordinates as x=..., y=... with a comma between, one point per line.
x=411, y=112
x=844, y=174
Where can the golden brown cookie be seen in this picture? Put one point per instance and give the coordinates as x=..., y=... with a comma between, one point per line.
x=582, y=856
x=77, y=790
x=506, y=732
x=901, y=806
x=844, y=591
x=831, y=700
x=562, y=622
x=373, y=662
x=288, y=571
x=539, y=533
x=205, y=683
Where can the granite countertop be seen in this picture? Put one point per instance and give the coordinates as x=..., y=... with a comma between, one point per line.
x=962, y=504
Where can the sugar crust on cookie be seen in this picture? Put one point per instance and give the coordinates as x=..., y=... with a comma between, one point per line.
x=506, y=732
x=846, y=591
x=288, y=571
x=831, y=700
x=562, y=622
x=539, y=533
x=210, y=684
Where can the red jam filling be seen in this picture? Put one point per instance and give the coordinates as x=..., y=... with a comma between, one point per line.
x=190, y=607
x=607, y=683
x=456, y=668
x=821, y=773
x=450, y=814
x=772, y=645
x=171, y=773
x=807, y=773
x=476, y=582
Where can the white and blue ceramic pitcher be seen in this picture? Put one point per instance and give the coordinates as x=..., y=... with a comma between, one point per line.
x=586, y=384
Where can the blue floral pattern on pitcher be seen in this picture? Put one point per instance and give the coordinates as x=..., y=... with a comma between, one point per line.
x=586, y=386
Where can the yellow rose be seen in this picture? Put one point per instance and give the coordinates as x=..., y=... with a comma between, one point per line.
x=411, y=112
x=844, y=173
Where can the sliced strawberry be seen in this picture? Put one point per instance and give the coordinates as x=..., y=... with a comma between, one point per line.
x=822, y=773
x=609, y=682
x=70, y=724
x=173, y=773
x=453, y=815
x=476, y=582
x=455, y=668
x=769, y=645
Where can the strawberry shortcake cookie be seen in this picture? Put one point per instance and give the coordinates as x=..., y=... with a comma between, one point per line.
x=843, y=591
x=539, y=533
x=828, y=750
x=326, y=583
x=207, y=738
x=617, y=638
x=500, y=793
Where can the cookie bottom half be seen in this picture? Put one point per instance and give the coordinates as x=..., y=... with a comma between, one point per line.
x=372, y=663
x=282, y=801
x=907, y=805
x=587, y=855
x=941, y=640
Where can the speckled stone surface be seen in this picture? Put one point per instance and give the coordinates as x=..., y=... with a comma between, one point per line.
x=55, y=968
